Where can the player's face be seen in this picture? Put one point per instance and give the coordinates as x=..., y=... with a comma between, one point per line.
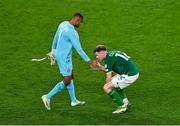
x=100, y=55
x=78, y=22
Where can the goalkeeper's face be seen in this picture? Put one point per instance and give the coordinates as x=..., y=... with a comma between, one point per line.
x=78, y=21
x=100, y=55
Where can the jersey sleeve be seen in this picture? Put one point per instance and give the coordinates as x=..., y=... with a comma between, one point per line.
x=54, y=44
x=109, y=62
x=74, y=38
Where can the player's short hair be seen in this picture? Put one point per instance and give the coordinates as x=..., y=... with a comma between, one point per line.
x=78, y=15
x=99, y=48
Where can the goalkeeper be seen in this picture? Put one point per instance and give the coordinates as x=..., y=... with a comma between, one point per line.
x=65, y=39
x=127, y=73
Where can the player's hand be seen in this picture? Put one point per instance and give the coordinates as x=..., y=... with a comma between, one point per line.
x=95, y=65
x=51, y=57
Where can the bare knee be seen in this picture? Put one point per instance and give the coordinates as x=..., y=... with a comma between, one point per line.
x=108, y=87
x=67, y=80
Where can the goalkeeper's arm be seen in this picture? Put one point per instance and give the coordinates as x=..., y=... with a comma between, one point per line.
x=51, y=55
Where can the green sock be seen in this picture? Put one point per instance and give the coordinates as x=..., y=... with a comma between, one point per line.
x=115, y=96
x=122, y=93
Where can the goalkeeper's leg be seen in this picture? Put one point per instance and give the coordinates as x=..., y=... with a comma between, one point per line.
x=46, y=98
x=72, y=95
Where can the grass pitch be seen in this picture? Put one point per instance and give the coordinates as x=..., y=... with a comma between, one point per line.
x=147, y=30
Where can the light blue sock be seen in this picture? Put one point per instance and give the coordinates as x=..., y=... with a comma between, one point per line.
x=56, y=89
x=71, y=91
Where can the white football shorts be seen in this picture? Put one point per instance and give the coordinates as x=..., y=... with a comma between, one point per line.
x=123, y=81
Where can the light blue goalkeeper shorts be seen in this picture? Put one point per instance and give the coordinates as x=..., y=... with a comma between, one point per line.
x=65, y=66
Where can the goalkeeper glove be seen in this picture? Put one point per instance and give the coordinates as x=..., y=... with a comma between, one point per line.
x=51, y=56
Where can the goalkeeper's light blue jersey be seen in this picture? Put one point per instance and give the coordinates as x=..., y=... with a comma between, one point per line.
x=65, y=39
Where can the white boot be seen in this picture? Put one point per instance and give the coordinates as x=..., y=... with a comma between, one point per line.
x=46, y=102
x=121, y=109
x=78, y=103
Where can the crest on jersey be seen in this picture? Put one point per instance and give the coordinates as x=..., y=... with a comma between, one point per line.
x=105, y=65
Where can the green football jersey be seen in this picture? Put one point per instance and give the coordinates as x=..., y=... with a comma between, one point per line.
x=120, y=63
